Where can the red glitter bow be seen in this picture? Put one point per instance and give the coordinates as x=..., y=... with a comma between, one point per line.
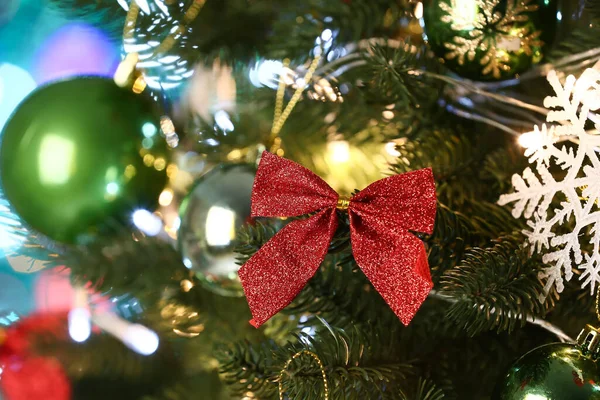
x=381, y=217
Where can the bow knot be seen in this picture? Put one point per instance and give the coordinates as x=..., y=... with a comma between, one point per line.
x=381, y=218
x=343, y=203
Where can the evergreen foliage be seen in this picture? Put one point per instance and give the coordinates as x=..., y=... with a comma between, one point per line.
x=486, y=285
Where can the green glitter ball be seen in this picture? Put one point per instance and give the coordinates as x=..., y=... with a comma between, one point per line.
x=490, y=39
x=81, y=154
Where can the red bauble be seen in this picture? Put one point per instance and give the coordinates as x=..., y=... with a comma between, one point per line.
x=33, y=378
x=25, y=375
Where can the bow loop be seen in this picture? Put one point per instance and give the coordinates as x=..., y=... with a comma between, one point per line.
x=405, y=201
x=283, y=188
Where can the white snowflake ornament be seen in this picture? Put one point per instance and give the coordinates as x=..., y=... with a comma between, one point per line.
x=549, y=202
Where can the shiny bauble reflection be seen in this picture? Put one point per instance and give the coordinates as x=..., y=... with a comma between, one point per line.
x=558, y=371
x=80, y=154
x=211, y=216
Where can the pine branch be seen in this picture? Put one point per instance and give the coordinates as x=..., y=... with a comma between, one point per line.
x=251, y=237
x=580, y=39
x=272, y=29
x=127, y=263
x=248, y=368
x=426, y=390
x=26, y=244
x=391, y=75
x=495, y=288
x=452, y=156
x=356, y=363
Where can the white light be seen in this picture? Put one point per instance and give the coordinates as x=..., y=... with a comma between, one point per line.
x=390, y=148
x=211, y=142
x=223, y=121
x=339, y=151
x=141, y=340
x=166, y=198
x=326, y=35
x=137, y=337
x=559, y=16
x=188, y=263
x=80, y=325
x=124, y=5
x=419, y=10
x=143, y=4
x=149, y=129
x=147, y=222
x=112, y=188
x=266, y=73
x=531, y=396
x=220, y=226
x=531, y=140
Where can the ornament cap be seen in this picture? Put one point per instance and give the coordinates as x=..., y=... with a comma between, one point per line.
x=589, y=340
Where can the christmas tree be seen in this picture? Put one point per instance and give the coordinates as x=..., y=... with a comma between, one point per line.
x=310, y=199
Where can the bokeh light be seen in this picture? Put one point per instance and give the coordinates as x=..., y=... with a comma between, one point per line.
x=75, y=49
x=15, y=85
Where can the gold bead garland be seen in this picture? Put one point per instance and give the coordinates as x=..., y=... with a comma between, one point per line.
x=281, y=115
x=321, y=367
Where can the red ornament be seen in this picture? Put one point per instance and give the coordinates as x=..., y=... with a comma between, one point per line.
x=33, y=378
x=381, y=218
x=26, y=376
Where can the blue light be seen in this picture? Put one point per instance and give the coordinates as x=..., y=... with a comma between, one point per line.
x=15, y=85
x=149, y=129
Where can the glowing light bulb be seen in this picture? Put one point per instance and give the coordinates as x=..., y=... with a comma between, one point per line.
x=147, y=222
x=149, y=129
x=141, y=340
x=530, y=140
x=390, y=148
x=80, y=325
x=137, y=337
x=112, y=188
x=339, y=151
x=266, y=73
x=166, y=197
x=223, y=121
x=419, y=10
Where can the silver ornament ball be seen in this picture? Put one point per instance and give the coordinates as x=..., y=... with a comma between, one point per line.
x=211, y=216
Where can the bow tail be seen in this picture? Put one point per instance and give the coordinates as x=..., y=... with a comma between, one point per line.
x=396, y=264
x=277, y=273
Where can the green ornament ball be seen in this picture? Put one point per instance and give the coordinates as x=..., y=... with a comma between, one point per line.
x=81, y=155
x=489, y=40
x=558, y=371
x=211, y=215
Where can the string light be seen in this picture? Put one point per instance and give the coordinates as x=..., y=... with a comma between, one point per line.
x=530, y=140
